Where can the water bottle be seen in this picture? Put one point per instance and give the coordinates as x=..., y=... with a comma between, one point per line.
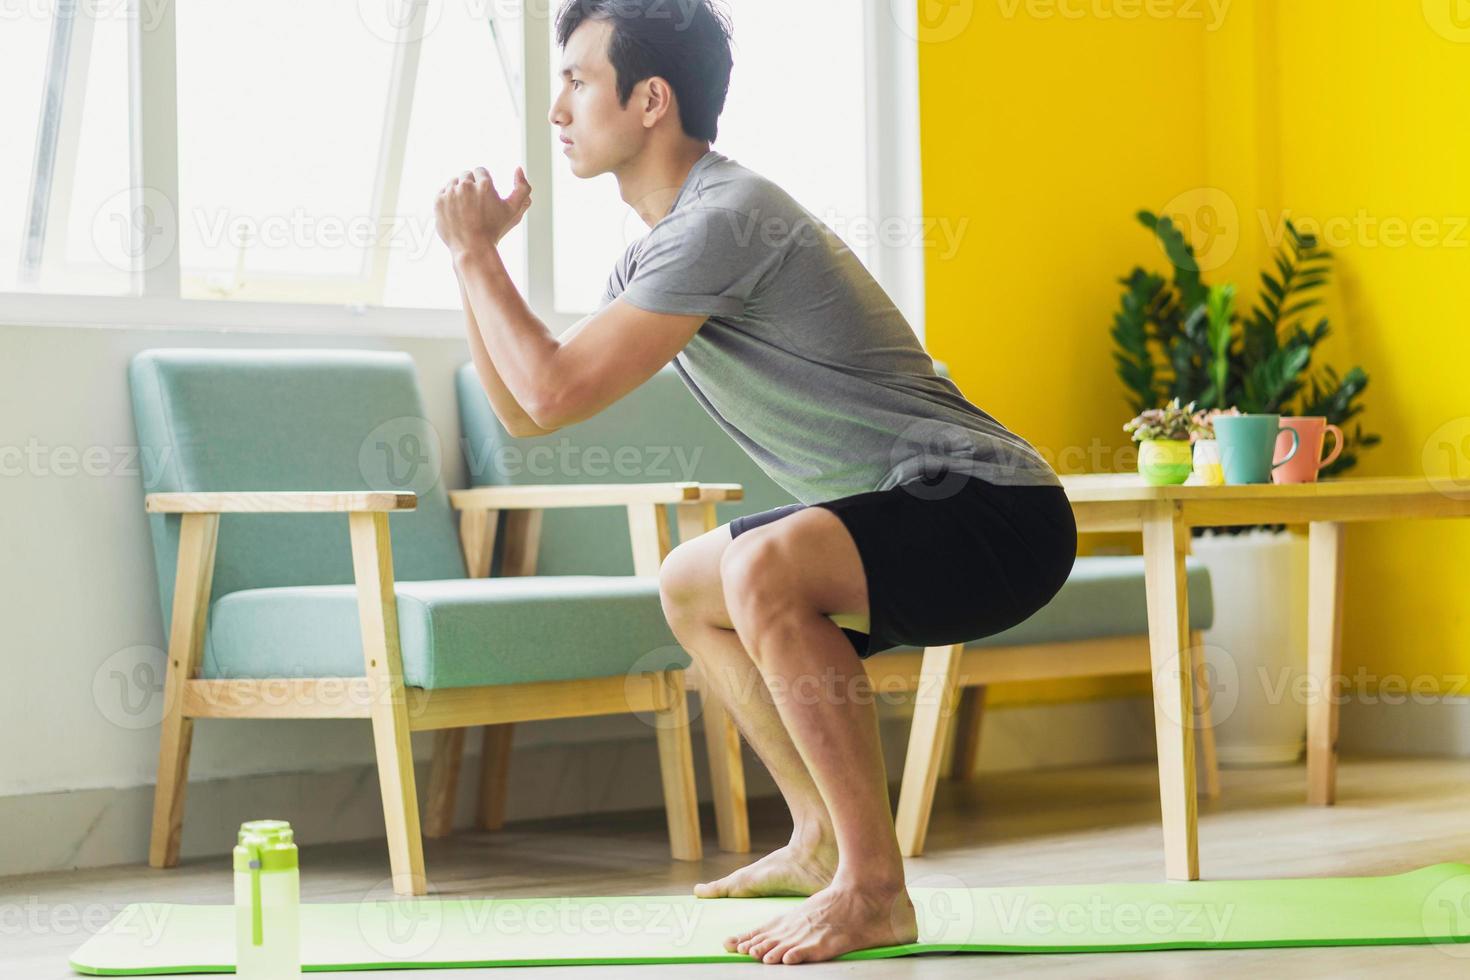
x=267, y=902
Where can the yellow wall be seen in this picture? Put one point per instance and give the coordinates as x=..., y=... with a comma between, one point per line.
x=1048, y=124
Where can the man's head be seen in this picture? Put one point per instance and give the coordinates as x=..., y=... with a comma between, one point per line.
x=635, y=71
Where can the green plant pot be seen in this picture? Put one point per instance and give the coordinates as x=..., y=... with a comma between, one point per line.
x=1164, y=462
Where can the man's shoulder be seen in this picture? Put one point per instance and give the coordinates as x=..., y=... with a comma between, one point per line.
x=731, y=186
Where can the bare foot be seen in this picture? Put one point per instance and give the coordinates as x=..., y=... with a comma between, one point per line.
x=836, y=920
x=790, y=870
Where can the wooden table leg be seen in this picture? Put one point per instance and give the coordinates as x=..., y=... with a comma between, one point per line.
x=1165, y=543
x=1324, y=658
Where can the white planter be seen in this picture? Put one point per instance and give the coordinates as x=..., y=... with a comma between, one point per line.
x=1256, y=648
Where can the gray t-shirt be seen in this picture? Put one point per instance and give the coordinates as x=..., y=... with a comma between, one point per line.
x=804, y=360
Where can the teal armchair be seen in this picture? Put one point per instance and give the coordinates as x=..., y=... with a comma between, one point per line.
x=277, y=607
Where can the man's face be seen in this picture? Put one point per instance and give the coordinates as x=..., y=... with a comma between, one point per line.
x=603, y=133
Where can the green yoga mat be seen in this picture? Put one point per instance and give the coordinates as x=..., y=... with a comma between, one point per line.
x=1431, y=905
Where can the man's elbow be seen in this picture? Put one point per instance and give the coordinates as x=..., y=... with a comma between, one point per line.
x=528, y=429
x=548, y=413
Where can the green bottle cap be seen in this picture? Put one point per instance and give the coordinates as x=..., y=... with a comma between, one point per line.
x=268, y=841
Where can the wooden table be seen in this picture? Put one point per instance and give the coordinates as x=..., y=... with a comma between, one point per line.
x=1124, y=502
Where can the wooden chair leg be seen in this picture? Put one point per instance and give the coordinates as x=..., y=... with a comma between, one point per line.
x=372, y=562
x=1165, y=540
x=494, y=776
x=193, y=580
x=966, y=753
x=727, y=774
x=1209, y=762
x=934, y=706
x=444, y=782
x=1324, y=657
x=676, y=766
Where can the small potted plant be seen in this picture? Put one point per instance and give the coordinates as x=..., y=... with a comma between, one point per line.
x=1163, y=437
x=1206, y=449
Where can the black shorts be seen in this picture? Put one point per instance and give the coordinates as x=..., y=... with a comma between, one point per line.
x=950, y=561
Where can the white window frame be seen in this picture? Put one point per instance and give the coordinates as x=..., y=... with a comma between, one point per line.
x=893, y=166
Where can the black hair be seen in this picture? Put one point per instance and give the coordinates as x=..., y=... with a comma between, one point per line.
x=685, y=42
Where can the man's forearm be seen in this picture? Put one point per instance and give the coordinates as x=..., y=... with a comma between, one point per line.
x=520, y=347
x=512, y=414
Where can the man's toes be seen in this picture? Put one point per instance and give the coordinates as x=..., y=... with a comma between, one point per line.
x=733, y=943
x=760, y=949
x=796, y=953
x=777, y=953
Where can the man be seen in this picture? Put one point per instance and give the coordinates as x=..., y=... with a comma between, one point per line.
x=922, y=519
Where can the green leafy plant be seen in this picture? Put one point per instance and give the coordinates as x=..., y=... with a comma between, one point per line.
x=1178, y=338
x=1170, y=422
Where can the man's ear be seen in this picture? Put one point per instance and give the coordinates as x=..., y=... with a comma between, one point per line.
x=658, y=100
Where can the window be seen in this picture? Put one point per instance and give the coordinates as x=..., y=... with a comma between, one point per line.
x=65, y=203
x=280, y=159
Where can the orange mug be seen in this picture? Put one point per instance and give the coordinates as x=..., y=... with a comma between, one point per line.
x=1303, y=467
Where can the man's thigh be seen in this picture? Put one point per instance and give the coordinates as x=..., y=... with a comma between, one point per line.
x=812, y=553
x=824, y=557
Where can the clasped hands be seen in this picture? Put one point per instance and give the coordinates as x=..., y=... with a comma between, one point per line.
x=469, y=214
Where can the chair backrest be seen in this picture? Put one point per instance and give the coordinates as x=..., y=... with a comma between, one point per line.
x=656, y=434
x=341, y=420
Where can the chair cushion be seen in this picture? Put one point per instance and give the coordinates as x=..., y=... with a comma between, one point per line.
x=1104, y=596
x=453, y=633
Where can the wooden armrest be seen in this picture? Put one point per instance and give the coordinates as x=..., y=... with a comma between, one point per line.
x=592, y=495
x=278, y=502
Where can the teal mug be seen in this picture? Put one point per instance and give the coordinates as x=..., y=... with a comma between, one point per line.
x=1248, y=445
